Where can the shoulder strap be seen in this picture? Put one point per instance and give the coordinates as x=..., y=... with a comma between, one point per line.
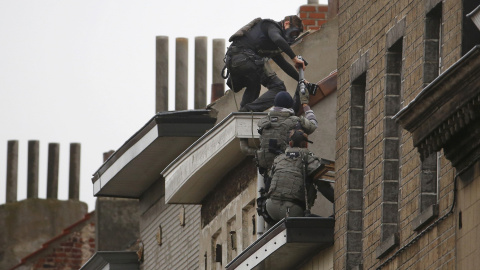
x=241, y=32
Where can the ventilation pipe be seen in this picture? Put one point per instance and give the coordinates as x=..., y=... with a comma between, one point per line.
x=200, y=89
x=161, y=70
x=74, y=174
x=181, y=74
x=52, y=170
x=32, y=170
x=12, y=171
x=218, y=83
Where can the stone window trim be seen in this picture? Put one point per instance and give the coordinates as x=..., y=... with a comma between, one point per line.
x=354, y=234
x=431, y=4
x=432, y=44
x=387, y=245
x=391, y=142
x=425, y=217
x=359, y=68
x=428, y=197
x=395, y=33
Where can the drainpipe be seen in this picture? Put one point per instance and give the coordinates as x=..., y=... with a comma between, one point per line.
x=260, y=221
x=250, y=151
x=247, y=150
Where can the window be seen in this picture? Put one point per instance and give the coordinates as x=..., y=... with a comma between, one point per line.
x=356, y=160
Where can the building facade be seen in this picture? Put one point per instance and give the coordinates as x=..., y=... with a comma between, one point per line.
x=400, y=119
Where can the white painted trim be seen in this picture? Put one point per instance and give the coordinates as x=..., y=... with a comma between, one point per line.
x=124, y=159
x=261, y=254
x=186, y=168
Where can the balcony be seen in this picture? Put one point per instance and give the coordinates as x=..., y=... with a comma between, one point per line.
x=287, y=244
x=137, y=164
x=195, y=172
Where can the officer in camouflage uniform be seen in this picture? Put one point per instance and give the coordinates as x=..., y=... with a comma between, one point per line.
x=290, y=172
x=274, y=131
x=247, y=60
x=274, y=128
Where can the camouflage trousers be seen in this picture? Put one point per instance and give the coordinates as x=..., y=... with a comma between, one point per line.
x=278, y=209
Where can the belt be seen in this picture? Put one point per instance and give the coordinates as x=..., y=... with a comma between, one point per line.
x=295, y=201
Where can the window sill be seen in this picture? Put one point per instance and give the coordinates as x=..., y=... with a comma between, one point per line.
x=386, y=246
x=425, y=217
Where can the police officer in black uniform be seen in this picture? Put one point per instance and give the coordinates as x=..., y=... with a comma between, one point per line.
x=247, y=56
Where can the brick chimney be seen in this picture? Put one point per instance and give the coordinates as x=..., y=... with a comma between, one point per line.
x=313, y=15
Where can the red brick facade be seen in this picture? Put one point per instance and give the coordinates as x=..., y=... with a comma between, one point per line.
x=70, y=250
x=313, y=16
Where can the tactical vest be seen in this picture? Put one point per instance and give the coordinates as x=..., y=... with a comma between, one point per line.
x=274, y=131
x=255, y=36
x=287, y=180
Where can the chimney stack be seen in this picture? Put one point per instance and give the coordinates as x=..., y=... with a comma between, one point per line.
x=106, y=155
x=218, y=83
x=74, y=174
x=32, y=170
x=12, y=171
x=181, y=74
x=313, y=15
x=200, y=92
x=161, y=78
x=52, y=173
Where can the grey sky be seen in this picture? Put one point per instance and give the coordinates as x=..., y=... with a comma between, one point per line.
x=84, y=71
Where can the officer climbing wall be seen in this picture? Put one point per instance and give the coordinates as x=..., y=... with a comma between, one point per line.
x=274, y=132
x=275, y=127
x=292, y=190
x=246, y=60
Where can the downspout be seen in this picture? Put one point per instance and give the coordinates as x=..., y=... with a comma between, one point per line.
x=250, y=151
x=246, y=149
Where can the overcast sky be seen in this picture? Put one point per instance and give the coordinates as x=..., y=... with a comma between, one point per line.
x=83, y=71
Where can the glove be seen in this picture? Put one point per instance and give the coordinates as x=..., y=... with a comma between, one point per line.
x=312, y=88
x=304, y=97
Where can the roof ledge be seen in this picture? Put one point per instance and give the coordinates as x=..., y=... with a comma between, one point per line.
x=137, y=164
x=194, y=173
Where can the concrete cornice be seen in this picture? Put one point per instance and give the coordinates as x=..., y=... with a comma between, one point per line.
x=194, y=173
x=445, y=107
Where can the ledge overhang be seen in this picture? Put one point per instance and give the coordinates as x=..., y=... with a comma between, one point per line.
x=137, y=164
x=194, y=173
x=112, y=260
x=287, y=244
x=444, y=110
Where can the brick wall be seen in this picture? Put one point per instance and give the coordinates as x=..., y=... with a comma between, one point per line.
x=363, y=28
x=313, y=16
x=468, y=252
x=69, y=250
x=71, y=253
